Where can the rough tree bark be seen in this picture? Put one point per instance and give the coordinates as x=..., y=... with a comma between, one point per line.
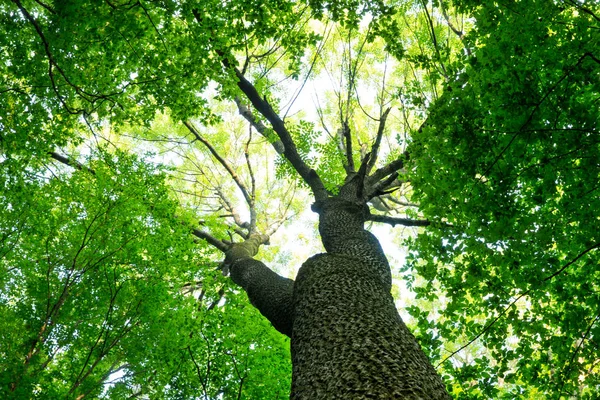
x=347, y=339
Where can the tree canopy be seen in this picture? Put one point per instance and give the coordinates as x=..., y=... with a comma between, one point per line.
x=139, y=140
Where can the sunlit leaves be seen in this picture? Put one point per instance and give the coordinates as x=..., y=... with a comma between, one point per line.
x=94, y=275
x=506, y=157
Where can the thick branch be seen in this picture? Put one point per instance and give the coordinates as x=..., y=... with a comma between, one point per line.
x=258, y=125
x=397, y=221
x=348, y=150
x=385, y=186
x=290, y=152
x=382, y=172
x=210, y=239
x=377, y=144
x=269, y=292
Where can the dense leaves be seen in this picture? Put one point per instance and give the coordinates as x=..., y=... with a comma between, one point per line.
x=509, y=157
x=96, y=276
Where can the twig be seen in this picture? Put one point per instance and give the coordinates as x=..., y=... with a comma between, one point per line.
x=485, y=329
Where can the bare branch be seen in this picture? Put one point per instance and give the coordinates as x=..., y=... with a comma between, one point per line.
x=312, y=65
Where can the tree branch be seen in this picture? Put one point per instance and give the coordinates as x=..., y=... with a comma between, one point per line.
x=290, y=152
x=393, y=221
x=258, y=125
x=223, y=162
x=231, y=209
x=252, y=182
x=210, y=239
x=269, y=292
x=595, y=246
x=377, y=144
x=486, y=328
x=384, y=171
x=70, y=162
x=348, y=150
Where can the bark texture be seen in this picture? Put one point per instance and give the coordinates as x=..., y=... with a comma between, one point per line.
x=347, y=339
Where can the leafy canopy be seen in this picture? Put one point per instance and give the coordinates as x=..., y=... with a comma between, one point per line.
x=494, y=109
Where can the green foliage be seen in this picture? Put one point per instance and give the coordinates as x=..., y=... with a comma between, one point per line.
x=94, y=266
x=508, y=157
x=93, y=269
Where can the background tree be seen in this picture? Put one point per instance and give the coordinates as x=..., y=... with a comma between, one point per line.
x=495, y=102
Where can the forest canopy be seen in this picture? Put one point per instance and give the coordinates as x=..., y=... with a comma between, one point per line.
x=139, y=140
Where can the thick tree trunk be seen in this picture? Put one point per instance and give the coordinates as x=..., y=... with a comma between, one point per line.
x=348, y=341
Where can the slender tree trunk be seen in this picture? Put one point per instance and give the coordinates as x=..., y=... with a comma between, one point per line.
x=348, y=341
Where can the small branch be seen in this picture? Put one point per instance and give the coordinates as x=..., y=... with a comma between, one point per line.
x=485, y=329
x=222, y=161
x=252, y=182
x=231, y=209
x=309, y=72
x=434, y=39
x=597, y=245
x=566, y=371
x=393, y=221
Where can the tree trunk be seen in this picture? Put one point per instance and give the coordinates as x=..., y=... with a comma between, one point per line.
x=348, y=341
